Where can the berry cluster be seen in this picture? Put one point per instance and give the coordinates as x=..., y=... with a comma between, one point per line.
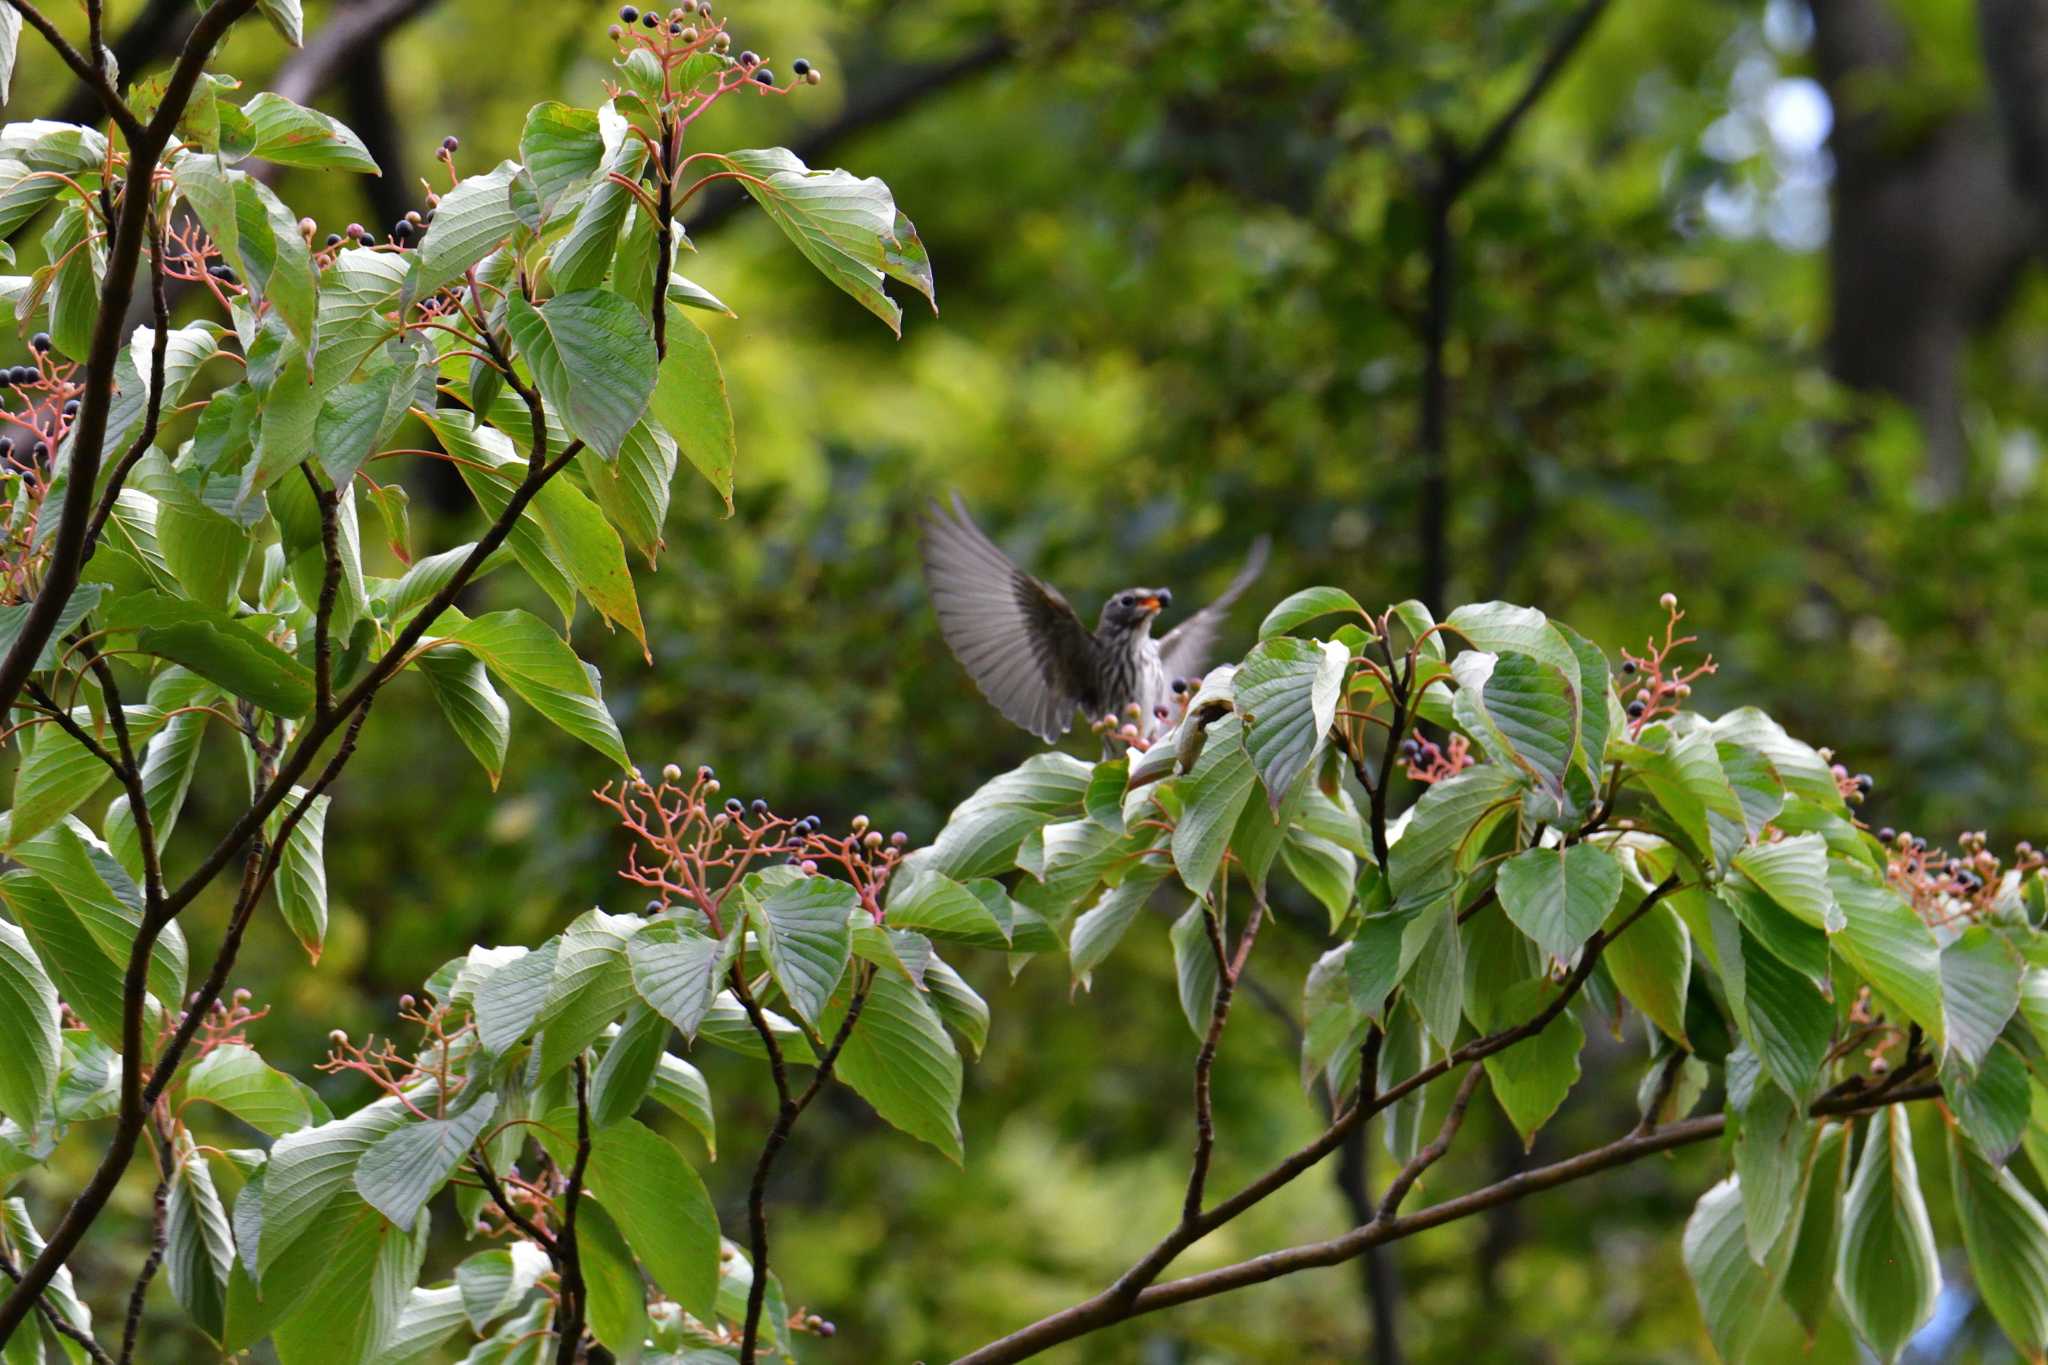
x=1653, y=684
x=700, y=852
x=225, y=1023
x=48, y=406
x=1964, y=886
x=1425, y=761
x=690, y=31
x=400, y=1076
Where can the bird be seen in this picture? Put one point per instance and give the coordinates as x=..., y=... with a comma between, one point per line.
x=1028, y=651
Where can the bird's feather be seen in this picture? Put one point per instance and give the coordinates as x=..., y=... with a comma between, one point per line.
x=1018, y=638
x=1184, y=650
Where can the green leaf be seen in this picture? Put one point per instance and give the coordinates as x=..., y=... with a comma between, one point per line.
x=618, y=1298
x=1435, y=980
x=1889, y=945
x=592, y=355
x=592, y=986
x=286, y=17
x=307, y=1197
x=1810, y=1276
x=2006, y=1234
x=10, y=42
x=1286, y=695
x=802, y=923
x=562, y=149
x=585, y=255
x=1325, y=870
x=1992, y=1103
x=939, y=907
x=511, y=995
x=1783, y=1017
x=626, y=1072
x=83, y=600
x=56, y=774
x=217, y=647
x=470, y=222
x=1194, y=967
x=402, y=1170
x=86, y=978
x=1446, y=825
x=1887, y=1272
x=900, y=1060
x=1804, y=771
x=542, y=671
x=1216, y=790
x=679, y=1088
x=1770, y=1153
x=633, y=490
x=1502, y=628
x=1731, y=1287
x=478, y=715
x=493, y=1283
x=289, y=134
x=1299, y=608
x=656, y=1199
x=690, y=403
x=1559, y=896
x=1532, y=1078
x=679, y=971
x=235, y=1079
x=199, y=1249
x=981, y=835
x=1980, y=991
x=105, y=900
x=1652, y=964
x=1794, y=873
x=849, y=228
x=1525, y=711
x=28, y=1031
x=301, y=880
x=429, y=1318
x=1097, y=932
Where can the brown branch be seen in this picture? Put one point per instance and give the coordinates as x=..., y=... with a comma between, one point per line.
x=1405, y=1179
x=329, y=502
x=569, y=1314
x=152, y=408
x=59, y=1324
x=534, y=1232
x=88, y=71
x=131, y=1333
x=778, y=1135
x=1084, y=1319
x=67, y=560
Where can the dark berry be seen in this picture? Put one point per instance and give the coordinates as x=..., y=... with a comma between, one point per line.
x=733, y=806
x=650, y=19
x=1180, y=687
x=801, y=67
x=1628, y=666
x=6, y=447
x=401, y=230
x=628, y=15
x=1635, y=710
x=655, y=907
x=71, y=407
x=759, y=807
x=42, y=451
x=451, y=143
x=333, y=239
x=675, y=28
x=749, y=57
x=40, y=341
x=1887, y=834
x=704, y=774
x=1864, y=783
x=765, y=76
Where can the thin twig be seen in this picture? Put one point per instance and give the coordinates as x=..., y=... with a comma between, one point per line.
x=569, y=1314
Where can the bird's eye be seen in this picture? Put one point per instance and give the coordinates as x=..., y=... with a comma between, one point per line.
x=1130, y=599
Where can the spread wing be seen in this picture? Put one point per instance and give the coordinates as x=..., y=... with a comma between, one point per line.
x=1017, y=637
x=1184, y=650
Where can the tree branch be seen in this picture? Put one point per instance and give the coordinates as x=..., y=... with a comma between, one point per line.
x=569, y=1314
x=88, y=71
x=59, y=1324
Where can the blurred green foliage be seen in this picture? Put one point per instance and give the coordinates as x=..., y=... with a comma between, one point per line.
x=1181, y=268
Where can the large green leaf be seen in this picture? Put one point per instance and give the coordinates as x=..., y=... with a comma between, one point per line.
x=1101, y=927
x=1731, y=1288
x=1287, y=692
x=105, y=900
x=301, y=882
x=199, y=1250
x=1810, y=1276
x=511, y=995
x=542, y=671
x=1889, y=945
x=403, y=1169
x=617, y=1296
x=293, y=135
x=1305, y=606
x=1783, y=1017
x=1532, y=1078
x=1980, y=990
x=562, y=149
x=1887, y=1273
x=1652, y=963
x=28, y=1031
x=592, y=986
x=481, y=720
x=1992, y=1103
x=217, y=647
x=1771, y=1149
x=86, y=978
x=679, y=971
x=1446, y=825
x=2006, y=1233
x=802, y=923
x=1502, y=628
x=1559, y=896
x=1215, y=790
x=690, y=403
x=849, y=228
x=234, y=1078
x=469, y=223
x=939, y=907
x=981, y=835
x=1527, y=713
x=900, y=1060
x=1794, y=873
x=592, y=353
x=1194, y=967
x=655, y=1198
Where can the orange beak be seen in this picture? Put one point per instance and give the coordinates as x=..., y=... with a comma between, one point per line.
x=1150, y=603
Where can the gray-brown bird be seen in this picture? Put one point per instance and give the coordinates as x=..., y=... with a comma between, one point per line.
x=1029, y=653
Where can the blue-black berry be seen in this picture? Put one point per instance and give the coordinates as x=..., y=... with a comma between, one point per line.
x=40, y=341
x=733, y=806
x=628, y=15
x=765, y=76
x=801, y=67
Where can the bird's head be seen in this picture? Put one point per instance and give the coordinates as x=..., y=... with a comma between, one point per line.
x=1132, y=609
